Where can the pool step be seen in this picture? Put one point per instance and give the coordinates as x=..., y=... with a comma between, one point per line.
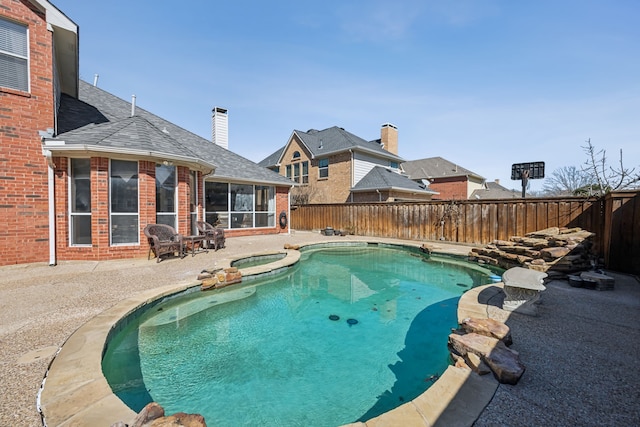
x=182, y=311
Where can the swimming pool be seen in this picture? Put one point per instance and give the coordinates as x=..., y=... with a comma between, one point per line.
x=269, y=353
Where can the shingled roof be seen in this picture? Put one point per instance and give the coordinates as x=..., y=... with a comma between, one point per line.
x=329, y=141
x=495, y=191
x=99, y=121
x=381, y=178
x=435, y=167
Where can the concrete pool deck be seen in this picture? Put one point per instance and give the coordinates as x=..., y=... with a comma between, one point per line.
x=42, y=306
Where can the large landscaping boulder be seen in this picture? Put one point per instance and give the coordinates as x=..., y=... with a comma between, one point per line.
x=152, y=415
x=504, y=362
x=487, y=327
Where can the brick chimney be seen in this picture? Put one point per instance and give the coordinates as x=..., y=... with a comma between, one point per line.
x=389, y=138
x=220, y=127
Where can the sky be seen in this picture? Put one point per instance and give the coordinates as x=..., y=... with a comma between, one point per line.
x=482, y=83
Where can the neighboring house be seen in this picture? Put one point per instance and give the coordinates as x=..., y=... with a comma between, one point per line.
x=493, y=190
x=451, y=181
x=329, y=165
x=384, y=185
x=83, y=171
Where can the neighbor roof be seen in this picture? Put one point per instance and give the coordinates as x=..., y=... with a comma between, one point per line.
x=329, y=141
x=99, y=121
x=495, y=191
x=435, y=167
x=381, y=178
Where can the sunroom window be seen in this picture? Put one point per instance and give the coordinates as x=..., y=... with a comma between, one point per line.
x=14, y=56
x=216, y=203
x=265, y=206
x=240, y=205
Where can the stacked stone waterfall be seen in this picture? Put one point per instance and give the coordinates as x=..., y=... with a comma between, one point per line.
x=557, y=251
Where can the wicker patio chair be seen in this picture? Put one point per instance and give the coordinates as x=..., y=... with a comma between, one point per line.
x=163, y=239
x=214, y=235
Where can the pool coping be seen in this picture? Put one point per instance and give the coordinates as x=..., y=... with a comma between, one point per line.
x=75, y=392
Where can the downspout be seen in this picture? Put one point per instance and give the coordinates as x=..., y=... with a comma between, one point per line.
x=52, y=207
x=353, y=167
x=379, y=195
x=289, y=210
x=353, y=172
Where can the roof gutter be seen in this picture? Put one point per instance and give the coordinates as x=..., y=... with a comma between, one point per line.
x=60, y=148
x=222, y=178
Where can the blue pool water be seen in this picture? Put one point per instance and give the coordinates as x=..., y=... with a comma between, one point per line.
x=271, y=351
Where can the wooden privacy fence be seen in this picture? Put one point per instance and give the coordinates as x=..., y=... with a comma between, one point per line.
x=615, y=220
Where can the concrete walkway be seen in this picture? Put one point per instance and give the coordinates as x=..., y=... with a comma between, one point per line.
x=581, y=355
x=591, y=337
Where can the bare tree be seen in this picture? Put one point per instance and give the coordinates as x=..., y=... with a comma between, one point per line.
x=302, y=195
x=607, y=178
x=567, y=180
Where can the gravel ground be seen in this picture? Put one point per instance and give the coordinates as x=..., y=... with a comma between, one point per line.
x=581, y=356
x=581, y=353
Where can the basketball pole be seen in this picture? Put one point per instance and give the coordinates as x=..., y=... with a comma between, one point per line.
x=525, y=180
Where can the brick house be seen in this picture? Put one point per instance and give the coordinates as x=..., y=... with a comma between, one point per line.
x=82, y=171
x=336, y=166
x=451, y=181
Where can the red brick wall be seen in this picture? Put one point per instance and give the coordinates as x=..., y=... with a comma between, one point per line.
x=24, y=203
x=454, y=188
x=100, y=249
x=24, y=223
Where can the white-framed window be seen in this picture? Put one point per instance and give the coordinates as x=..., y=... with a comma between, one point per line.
x=123, y=202
x=299, y=172
x=14, y=55
x=166, y=196
x=323, y=168
x=393, y=164
x=239, y=205
x=296, y=172
x=80, y=202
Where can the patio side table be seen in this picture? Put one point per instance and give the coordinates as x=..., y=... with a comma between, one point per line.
x=192, y=242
